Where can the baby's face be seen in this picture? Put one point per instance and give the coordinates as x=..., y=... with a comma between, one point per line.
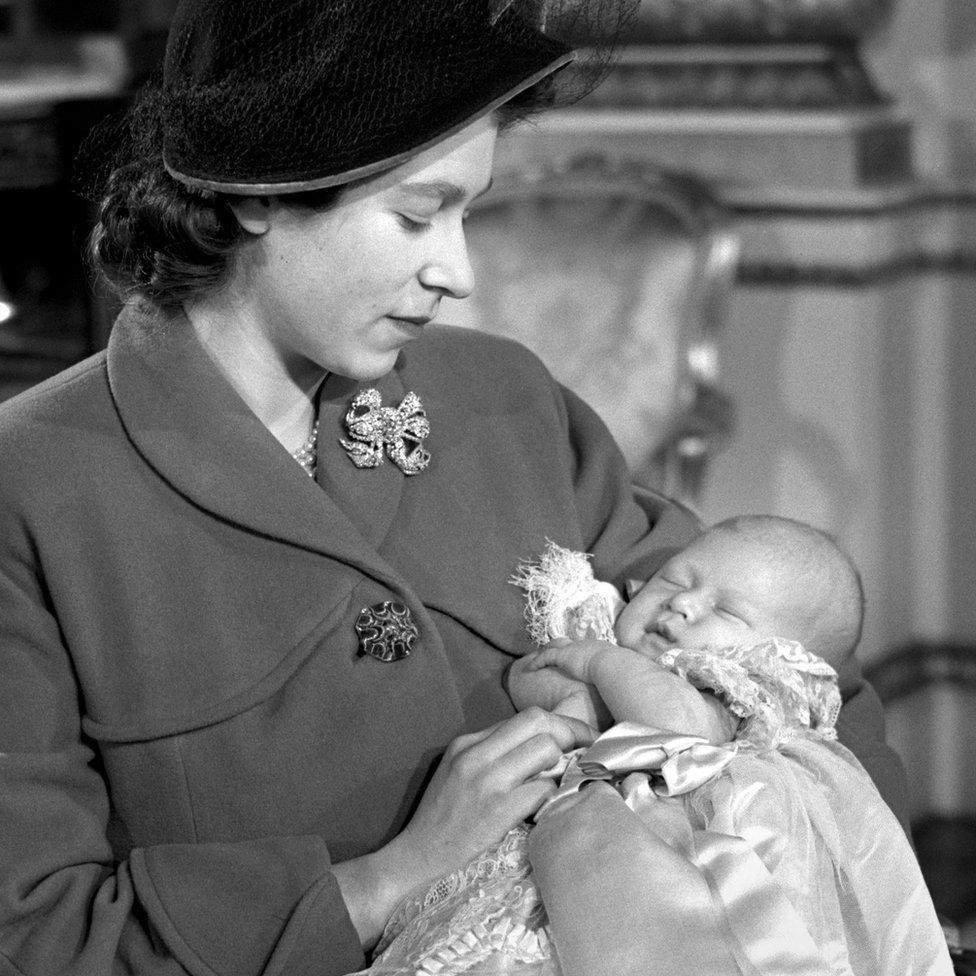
x=721, y=590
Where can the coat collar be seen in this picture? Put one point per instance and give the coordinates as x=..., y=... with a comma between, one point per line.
x=195, y=431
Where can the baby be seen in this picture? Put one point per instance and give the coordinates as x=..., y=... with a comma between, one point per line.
x=733, y=827
x=744, y=581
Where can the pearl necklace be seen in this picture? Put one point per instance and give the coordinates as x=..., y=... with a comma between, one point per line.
x=307, y=453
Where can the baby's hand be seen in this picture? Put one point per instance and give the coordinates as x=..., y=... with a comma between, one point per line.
x=575, y=659
x=531, y=682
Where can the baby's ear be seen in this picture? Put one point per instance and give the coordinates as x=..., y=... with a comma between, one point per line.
x=632, y=586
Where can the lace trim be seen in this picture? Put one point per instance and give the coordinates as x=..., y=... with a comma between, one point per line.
x=776, y=687
x=498, y=911
x=564, y=599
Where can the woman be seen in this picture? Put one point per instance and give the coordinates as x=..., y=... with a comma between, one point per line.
x=226, y=683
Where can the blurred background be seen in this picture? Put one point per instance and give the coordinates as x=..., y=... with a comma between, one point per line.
x=828, y=375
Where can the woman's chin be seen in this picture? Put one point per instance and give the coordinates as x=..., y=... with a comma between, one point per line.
x=368, y=369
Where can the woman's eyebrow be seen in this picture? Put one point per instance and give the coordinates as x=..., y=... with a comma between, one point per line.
x=443, y=190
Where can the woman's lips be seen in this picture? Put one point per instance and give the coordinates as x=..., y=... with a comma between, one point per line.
x=412, y=325
x=420, y=320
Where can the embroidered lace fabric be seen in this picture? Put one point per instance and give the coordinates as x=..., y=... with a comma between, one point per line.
x=778, y=689
x=483, y=918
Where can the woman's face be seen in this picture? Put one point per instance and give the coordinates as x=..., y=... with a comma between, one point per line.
x=346, y=288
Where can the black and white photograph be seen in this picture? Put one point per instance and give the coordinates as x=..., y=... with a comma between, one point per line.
x=487, y=488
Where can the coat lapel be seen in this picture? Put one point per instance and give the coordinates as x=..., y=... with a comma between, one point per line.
x=191, y=426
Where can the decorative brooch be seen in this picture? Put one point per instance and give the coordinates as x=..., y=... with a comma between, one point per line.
x=397, y=431
x=386, y=631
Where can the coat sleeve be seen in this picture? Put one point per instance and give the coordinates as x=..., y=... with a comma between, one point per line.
x=861, y=729
x=68, y=906
x=631, y=531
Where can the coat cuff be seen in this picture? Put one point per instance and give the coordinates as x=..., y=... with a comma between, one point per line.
x=263, y=908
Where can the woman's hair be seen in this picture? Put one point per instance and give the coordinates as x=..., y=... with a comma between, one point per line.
x=533, y=101
x=161, y=241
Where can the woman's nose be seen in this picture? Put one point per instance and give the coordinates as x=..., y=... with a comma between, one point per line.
x=449, y=270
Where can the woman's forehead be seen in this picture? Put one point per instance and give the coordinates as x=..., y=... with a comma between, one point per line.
x=463, y=160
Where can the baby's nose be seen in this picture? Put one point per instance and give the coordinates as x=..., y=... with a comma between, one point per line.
x=685, y=603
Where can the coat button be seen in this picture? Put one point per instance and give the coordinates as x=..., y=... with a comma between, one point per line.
x=386, y=631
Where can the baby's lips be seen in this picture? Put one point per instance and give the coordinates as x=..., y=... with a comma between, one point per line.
x=656, y=642
x=664, y=630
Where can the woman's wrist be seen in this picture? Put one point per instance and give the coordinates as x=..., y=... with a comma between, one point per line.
x=373, y=885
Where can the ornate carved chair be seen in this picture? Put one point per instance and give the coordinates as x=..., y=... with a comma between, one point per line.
x=618, y=277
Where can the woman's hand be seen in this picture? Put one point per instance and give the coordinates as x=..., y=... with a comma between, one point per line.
x=486, y=783
x=620, y=900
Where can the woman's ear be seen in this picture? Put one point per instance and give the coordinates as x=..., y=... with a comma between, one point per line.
x=253, y=213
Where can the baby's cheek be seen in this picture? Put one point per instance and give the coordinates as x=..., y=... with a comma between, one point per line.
x=628, y=629
x=721, y=634
x=632, y=633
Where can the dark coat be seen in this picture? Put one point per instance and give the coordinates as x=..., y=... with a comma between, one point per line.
x=188, y=734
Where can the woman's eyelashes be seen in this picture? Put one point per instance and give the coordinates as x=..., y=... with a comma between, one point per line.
x=416, y=225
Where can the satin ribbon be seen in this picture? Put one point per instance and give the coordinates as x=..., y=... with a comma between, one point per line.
x=683, y=762
x=677, y=763
x=768, y=935
x=650, y=766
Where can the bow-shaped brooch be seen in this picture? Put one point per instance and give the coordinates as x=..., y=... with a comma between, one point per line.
x=399, y=431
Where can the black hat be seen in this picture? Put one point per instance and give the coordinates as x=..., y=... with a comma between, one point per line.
x=280, y=96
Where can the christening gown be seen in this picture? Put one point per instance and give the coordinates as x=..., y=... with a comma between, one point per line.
x=810, y=870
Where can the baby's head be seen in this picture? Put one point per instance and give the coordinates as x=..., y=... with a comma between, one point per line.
x=747, y=579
